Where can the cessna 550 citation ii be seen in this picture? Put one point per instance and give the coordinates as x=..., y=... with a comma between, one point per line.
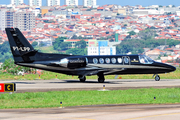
x=25, y=55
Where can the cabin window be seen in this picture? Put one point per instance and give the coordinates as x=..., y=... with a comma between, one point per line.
x=119, y=60
x=113, y=60
x=101, y=60
x=95, y=60
x=145, y=59
x=107, y=60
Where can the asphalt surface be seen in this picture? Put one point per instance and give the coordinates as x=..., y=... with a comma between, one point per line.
x=101, y=112
x=115, y=84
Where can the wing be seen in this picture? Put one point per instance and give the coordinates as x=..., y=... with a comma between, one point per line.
x=94, y=70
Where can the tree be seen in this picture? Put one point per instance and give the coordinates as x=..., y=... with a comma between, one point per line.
x=125, y=25
x=65, y=45
x=34, y=44
x=10, y=67
x=152, y=27
x=39, y=16
x=5, y=51
x=81, y=44
x=42, y=44
x=5, y=47
x=147, y=34
x=131, y=33
x=57, y=42
x=136, y=46
x=169, y=13
x=77, y=51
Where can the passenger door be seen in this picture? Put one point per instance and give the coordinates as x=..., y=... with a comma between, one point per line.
x=126, y=60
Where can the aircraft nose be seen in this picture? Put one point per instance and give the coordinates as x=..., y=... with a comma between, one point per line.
x=173, y=68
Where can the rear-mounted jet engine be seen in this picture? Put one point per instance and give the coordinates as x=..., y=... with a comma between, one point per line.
x=73, y=62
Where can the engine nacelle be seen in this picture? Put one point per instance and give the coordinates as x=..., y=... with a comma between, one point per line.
x=73, y=62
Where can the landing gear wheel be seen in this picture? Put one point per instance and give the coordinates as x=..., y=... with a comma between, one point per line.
x=157, y=78
x=101, y=78
x=82, y=78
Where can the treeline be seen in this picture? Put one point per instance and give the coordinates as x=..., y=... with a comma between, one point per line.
x=145, y=40
x=9, y=67
x=5, y=51
x=60, y=45
x=135, y=46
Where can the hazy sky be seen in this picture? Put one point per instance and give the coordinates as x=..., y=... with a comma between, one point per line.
x=119, y=2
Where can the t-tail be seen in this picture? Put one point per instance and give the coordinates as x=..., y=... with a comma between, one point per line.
x=21, y=49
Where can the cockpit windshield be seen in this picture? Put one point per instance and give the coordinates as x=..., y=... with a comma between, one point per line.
x=145, y=59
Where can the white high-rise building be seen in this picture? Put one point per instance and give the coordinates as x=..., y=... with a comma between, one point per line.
x=71, y=2
x=6, y=19
x=24, y=20
x=53, y=2
x=35, y=2
x=17, y=2
x=89, y=3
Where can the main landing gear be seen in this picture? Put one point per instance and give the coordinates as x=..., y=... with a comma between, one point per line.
x=101, y=78
x=157, y=78
x=82, y=78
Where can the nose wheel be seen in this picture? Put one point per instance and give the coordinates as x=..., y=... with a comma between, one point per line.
x=157, y=78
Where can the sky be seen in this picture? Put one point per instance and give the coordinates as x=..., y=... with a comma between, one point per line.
x=118, y=2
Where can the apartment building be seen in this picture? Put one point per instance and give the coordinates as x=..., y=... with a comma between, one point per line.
x=17, y=2
x=101, y=47
x=71, y=2
x=6, y=19
x=89, y=3
x=102, y=50
x=35, y=2
x=53, y=2
x=24, y=20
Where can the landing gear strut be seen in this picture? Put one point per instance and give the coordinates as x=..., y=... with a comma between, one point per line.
x=101, y=78
x=82, y=78
x=157, y=78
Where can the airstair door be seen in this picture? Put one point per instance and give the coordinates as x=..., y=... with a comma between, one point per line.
x=126, y=60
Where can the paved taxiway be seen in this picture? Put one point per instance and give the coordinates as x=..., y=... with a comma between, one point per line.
x=106, y=112
x=115, y=84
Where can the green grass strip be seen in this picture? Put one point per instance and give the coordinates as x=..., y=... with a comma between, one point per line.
x=79, y=98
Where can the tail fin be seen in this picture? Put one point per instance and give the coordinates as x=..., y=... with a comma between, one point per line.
x=21, y=49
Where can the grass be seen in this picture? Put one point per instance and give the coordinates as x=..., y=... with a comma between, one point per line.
x=51, y=75
x=49, y=49
x=79, y=98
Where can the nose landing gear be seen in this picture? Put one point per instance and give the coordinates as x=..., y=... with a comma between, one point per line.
x=157, y=78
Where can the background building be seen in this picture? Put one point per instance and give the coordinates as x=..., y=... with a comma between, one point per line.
x=53, y=2
x=35, y=2
x=102, y=48
x=17, y=2
x=71, y=2
x=89, y=3
x=24, y=20
x=6, y=19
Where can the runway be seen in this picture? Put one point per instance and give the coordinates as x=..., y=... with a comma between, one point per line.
x=100, y=112
x=115, y=84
